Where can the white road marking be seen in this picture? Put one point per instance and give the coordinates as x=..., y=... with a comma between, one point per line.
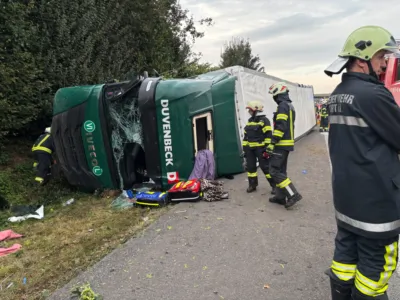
x=326, y=135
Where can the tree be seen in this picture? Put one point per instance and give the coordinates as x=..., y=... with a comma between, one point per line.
x=20, y=100
x=238, y=52
x=49, y=44
x=191, y=68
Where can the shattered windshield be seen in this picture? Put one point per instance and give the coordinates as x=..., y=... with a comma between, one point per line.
x=126, y=132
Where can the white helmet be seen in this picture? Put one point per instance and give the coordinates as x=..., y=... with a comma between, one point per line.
x=255, y=105
x=278, y=88
x=47, y=130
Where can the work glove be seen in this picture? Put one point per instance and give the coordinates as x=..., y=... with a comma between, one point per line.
x=270, y=149
x=266, y=155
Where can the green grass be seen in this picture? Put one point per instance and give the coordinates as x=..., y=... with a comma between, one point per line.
x=68, y=240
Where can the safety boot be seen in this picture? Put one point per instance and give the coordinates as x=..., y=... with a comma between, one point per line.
x=359, y=296
x=340, y=291
x=273, y=191
x=293, y=195
x=251, y=189
x=281, y=201
x=279, y=198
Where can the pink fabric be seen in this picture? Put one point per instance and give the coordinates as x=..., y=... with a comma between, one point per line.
x=9, y=250
x=9, y=234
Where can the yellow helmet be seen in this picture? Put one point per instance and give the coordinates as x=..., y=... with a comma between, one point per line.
x=255, y=105
x=278, y=88
x=363, y=43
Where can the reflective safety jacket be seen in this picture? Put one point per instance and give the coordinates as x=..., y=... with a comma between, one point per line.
x=257, y=132
x=283, y=134
x=323, y=112
x=364, y=142
x=44, y=143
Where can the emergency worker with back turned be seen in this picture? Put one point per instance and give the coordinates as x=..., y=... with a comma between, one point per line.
x=324, y=124
x=42, y=150
x=364, y=142
x=257, y=135
x=282, y=142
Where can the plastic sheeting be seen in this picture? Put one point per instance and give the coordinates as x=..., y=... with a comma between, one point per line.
x=252, y=85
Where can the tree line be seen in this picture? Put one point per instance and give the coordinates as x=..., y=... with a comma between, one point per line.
x=49, y=44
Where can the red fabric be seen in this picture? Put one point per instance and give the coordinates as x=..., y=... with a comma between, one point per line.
x=9, y=250
x=9, y=234
x=6, y=235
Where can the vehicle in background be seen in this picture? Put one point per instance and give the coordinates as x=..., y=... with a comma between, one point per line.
x=115, y=135
x=391, y=77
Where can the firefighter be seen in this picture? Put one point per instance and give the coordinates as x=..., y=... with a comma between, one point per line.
x=282, y=142
x=42, y=150
x=257, y=134
x=324, y=123
x=364, y=141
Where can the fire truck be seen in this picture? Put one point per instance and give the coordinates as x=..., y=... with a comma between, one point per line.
x=391, y=77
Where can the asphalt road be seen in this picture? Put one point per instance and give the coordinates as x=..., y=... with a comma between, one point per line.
x=240, y=248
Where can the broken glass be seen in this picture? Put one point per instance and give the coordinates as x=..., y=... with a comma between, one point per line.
x=127, y=136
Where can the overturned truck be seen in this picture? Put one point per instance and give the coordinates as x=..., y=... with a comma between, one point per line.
x=120, y=134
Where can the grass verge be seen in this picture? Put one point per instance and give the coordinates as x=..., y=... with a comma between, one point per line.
x=67, y=240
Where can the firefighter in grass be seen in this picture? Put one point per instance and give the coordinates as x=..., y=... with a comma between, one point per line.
x=42, y=150
x=257, y=134
x=324, y=123
x=282, y=142
x=364, y=142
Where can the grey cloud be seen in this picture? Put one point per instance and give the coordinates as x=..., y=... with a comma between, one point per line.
x=298, y=23
x=288, y=55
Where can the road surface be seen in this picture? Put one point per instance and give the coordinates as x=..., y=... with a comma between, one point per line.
x=240, y=248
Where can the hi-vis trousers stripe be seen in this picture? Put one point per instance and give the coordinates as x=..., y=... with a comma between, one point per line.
x=347, y=120
x=286, y=185
x=344, y=272
x=249, y=174
x=373, y=288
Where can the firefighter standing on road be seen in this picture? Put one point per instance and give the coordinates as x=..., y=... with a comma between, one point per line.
x=282, y=142
x=257, y=134
x=42, y=150
x=324, y=123
x=364, y=141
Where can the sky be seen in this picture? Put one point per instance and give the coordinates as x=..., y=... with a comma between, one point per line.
x=295, y=40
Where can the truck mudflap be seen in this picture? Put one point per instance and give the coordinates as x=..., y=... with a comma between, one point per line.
x=67, y=132
x=148, y=116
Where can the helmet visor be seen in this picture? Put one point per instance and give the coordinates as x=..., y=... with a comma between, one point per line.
x=393, y=53
x=337, y=66
x=393, y=48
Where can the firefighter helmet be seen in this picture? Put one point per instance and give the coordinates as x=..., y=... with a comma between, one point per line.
x=47, y=130
x=278, y=88
x=255, y=105
x=364, y=43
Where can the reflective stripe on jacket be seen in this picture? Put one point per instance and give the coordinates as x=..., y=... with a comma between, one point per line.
x=44, y=143
x=257, y=132
x=284, y=118
x=364, y=142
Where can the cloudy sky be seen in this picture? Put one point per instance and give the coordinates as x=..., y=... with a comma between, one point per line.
x=295, y=40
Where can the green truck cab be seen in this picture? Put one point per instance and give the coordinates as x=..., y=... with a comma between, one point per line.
x=115, y=135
